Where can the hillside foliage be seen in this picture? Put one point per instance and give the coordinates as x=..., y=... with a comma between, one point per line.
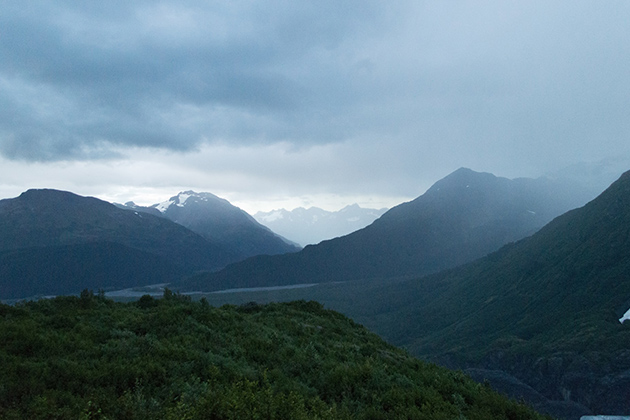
x=91, y=358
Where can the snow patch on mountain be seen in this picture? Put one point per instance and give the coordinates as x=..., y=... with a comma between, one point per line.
x=162, y=207
x=182, y=197
x=272, y=217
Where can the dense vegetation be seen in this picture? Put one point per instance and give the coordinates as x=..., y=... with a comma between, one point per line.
x=89, y=357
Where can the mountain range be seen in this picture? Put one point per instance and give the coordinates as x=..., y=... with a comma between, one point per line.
x=56, y=242
x=498, y=277
x=541, y=319
x=460, y=218
x=313, y=225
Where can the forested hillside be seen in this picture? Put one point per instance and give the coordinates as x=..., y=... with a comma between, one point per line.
x=88, y=357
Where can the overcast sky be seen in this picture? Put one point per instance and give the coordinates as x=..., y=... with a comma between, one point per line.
x=285, y=103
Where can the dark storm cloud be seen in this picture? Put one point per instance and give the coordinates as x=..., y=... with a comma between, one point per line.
x=84, y=76
x=467, y=82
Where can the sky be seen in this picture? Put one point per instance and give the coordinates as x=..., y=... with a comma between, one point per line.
x=280, y=103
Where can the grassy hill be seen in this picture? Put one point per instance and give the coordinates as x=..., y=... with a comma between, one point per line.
x=88, y=357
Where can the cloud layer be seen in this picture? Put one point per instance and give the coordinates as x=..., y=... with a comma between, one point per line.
x=406, y=91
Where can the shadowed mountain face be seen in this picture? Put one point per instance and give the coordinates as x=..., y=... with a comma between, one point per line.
x=462, y=217
x=68, y=269
x=539, y=318
x=47, y=229
x=224, y=224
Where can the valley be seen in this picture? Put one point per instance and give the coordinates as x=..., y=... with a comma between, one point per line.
x=503, y=279
x=354, y=210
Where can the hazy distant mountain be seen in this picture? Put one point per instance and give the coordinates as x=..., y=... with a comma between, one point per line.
x=313, y=225
x=545, y=311
x=222, y=223
x=462, y=217
x=55, y=242
x=593, y=176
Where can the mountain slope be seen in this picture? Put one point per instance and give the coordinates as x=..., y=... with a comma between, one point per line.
x=171, y=358
x=47, y=229
x=313, y=225
x=574, y=270
x=67, y=269
x=544, y=310
x=222, y=223
x=462, y=217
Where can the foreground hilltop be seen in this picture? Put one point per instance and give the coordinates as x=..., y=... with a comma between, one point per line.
x=89, y=357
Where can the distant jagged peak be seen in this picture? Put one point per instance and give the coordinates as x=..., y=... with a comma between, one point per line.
x=312, y=225
x=163, y=206
x=350, y=207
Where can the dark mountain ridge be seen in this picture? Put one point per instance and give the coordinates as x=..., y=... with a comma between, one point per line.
x=578, y=264
x=462, y=217
x=50, y=229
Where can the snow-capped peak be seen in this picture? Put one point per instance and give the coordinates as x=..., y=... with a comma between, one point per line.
x=184, y=197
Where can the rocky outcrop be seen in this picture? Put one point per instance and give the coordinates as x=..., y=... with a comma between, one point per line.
x=566, y=385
